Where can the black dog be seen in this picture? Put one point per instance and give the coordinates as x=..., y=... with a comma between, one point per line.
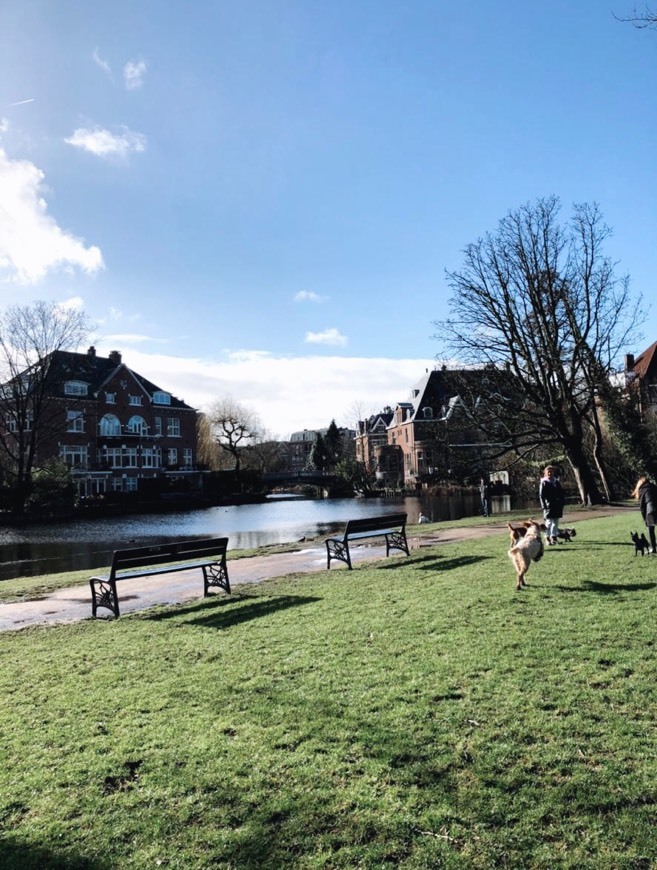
x=640, y=543
x=566, y=534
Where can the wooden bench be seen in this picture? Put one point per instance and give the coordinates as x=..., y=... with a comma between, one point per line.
x=390, y=526
x=208, y=554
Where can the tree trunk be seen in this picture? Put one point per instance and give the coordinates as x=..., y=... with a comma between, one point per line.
x=586, y=482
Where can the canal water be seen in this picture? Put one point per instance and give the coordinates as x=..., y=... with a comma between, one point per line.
x=28, y=551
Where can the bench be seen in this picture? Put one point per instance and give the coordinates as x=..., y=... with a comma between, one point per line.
x=208, y=554
x=390, y=526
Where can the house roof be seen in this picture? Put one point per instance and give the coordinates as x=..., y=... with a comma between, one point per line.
x=439, y=390
x=95, y=371
x=646, y=362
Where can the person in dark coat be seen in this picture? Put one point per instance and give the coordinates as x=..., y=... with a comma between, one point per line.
x=646, y=493
x=553, y=499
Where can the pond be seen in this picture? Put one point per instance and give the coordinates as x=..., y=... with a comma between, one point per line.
x=89, y=543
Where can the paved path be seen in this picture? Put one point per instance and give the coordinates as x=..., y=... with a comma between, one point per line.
x=74, y=603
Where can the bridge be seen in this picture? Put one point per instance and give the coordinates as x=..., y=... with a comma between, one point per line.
x=273, y=479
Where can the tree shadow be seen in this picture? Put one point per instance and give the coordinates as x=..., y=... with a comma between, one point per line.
x=15, y=855
x=607, y=588
x=229, y=612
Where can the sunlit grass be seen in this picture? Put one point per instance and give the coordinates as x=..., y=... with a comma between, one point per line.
x=416, y=712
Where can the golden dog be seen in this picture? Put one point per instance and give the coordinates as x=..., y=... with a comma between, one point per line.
x=529, y=548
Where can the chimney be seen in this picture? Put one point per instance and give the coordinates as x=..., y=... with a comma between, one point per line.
x=91, y=352
x=115, y=356
x=629, y=362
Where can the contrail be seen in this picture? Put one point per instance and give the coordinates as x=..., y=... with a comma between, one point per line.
x=21, y=102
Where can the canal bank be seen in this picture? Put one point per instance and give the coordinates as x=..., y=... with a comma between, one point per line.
x=73, y=604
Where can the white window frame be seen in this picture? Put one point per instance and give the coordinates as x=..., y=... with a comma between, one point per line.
x=110, y=398
x=76, y=388
x=161, y=398
x=75, y=421
x=187, y=457
x=109, y=424
x=173, y=427
x=135, y=401
x=74, y=455
x=137, y=425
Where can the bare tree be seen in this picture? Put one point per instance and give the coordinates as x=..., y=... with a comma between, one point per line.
x=29, y=406
x=539, y=304
x=644, y=19
x=234, y=427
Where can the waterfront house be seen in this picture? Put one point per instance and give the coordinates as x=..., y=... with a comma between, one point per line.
x=113, y=427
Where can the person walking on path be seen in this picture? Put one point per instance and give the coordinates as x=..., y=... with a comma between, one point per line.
x=553, y=499
x=646, y=493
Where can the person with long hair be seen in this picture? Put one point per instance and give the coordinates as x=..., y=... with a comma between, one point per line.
x=553, y=499
x=645, y=492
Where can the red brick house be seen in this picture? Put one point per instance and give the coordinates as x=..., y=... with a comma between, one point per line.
x=641, y=373
x=112, y=426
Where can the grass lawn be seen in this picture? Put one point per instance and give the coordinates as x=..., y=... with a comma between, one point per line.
x=414, y=712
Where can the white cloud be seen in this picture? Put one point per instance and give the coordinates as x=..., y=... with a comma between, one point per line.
x=309, y=296
x=31, y=242
x=103, y=143
x=131, y=338
x=75, y=303
x=133, y=74
x=101, y=62
x=328, y=336
x=289, y=393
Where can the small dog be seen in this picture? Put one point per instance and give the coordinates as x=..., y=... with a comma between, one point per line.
x=517, y=532
x=528, y=549
x=566, y=534
x=640, y=543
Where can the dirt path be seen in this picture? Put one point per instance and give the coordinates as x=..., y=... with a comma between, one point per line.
x=74, y=603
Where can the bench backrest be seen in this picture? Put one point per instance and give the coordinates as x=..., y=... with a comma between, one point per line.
x=160, y=554
x=373, y=524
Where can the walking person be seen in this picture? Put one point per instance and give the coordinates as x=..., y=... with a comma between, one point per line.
x=646, y=492
x=553, y=499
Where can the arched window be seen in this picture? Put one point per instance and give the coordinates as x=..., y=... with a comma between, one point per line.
x=428, y=413
x=137, y=425
x=110, y=425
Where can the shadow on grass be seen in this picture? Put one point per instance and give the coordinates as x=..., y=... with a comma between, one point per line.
x=232, y=611
x=607, y=588
x=433, y=563
x=18, y=856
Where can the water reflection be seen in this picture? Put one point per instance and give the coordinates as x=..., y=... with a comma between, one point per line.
x=89, y=544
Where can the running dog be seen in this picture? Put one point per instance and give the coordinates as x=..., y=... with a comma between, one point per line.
x=640, y=543
x=528, y=549
x=566, y=534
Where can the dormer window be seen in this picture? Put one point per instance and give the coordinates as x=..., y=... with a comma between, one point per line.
x=75, y=388
x=428, y=413
x=161, y=398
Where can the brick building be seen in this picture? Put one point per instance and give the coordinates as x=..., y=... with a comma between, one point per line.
x=112, y=426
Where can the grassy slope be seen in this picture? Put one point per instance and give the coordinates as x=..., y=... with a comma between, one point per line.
x=417, y=712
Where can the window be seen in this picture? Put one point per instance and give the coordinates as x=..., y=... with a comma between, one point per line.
x=161, y=398
x=73, y=456
x=74, y=421
x=187, y=457
x=131, y=484
x=110, y=425
x=172, y=456
x=150, y=457
x=134, y=400
x=137, y=425
x=75, y=388
x=173, y=427
x=112, y=456
x=29, y=420
x=129, y=457
x=10, y=423
x=428, y=413
x=110, y=398
x=157, y=425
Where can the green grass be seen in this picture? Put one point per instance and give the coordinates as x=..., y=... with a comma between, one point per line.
x=414, y=712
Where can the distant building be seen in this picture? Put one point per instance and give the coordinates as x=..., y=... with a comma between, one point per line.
x=112, y=426
x=641, y=375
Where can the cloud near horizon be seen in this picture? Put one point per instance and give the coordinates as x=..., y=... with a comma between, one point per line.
x=105, y=144
x=31, y=242
x=289, y=393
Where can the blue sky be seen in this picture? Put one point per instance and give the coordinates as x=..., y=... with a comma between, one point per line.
x=260, y=199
